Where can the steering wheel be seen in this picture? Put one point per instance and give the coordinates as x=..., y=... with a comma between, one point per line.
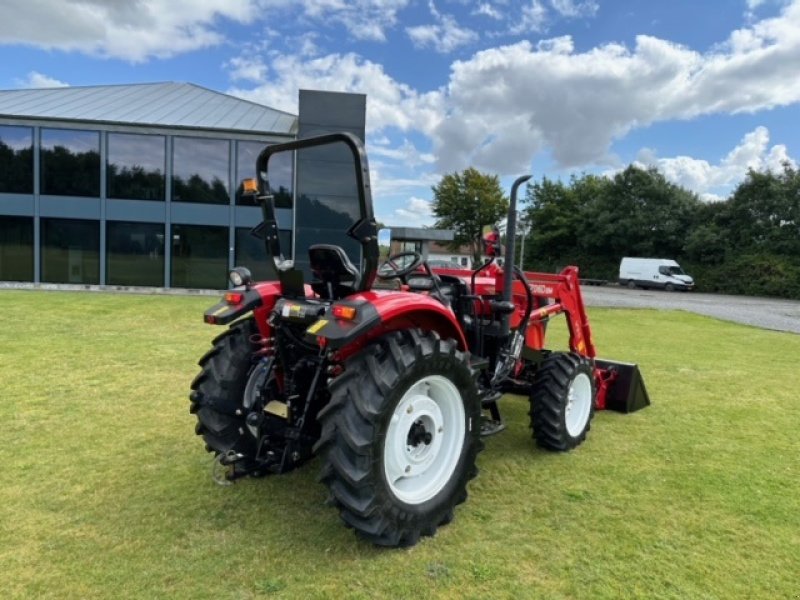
x=399, y=265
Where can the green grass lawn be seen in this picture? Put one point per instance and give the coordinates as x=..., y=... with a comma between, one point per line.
x=106, y=491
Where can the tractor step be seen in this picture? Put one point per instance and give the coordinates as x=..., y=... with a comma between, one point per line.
x=491, y=427
x=516, y=386
x=490, y=399
x=477, y=363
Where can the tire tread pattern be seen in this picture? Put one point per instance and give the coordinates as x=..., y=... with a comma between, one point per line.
x=354, y=421
x=217, y=390
x=548, y=401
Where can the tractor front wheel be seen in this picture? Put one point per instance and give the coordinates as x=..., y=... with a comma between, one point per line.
x=562, y=401
x=400, y=436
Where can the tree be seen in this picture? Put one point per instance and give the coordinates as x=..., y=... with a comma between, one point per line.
x=466, y=202
x=764, y=213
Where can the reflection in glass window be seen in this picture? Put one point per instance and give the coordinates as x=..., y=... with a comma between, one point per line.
x=135, y=253
x=70, y=162
x=16, y=249
x=135, y=167
x=200, y=170
x=199, y=257
x=70, y=251
x=280, y=169
x=16, y=160
x=252, y=253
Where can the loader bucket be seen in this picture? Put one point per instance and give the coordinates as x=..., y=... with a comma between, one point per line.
x=626, y=392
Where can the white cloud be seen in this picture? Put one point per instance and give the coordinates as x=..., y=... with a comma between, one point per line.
x=488, y=10
x=573, y=9
x=363, y=19
x=137, y=30
x=390, y=103
x=416, y=213
x=713, y=182
x=242, y=68
x=406, y=153
x=506, y=104
x=444, y=36
x=34, y=79
x=131, y=30
x=532, y=19
x=503, y=105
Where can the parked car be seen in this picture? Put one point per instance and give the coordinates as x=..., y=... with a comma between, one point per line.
x=661, y=273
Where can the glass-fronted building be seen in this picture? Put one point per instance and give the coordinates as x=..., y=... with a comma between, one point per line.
x=135, y=185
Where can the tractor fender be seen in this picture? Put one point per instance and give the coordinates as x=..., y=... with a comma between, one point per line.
x=378, y=312
x=260, y=299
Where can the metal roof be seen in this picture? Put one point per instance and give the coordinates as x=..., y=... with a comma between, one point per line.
x=167, y=104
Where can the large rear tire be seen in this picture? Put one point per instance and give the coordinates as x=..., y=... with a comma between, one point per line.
x=562, y=401
x=400, y=437
x=217, y=397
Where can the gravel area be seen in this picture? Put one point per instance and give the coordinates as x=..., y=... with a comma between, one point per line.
x=767, y=313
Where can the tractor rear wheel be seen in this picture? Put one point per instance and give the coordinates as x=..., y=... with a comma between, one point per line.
x=217, y=396
x=562, y=401
x=400, y=436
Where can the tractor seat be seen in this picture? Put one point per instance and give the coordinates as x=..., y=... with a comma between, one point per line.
x=335, y=276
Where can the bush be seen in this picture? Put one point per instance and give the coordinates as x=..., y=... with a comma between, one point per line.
x=749, y=275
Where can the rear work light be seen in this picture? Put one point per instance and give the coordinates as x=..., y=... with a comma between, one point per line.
x=234, y=297
x=346, y=313
x=249, y=186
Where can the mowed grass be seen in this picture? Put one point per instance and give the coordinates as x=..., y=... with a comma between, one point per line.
x=106, y=491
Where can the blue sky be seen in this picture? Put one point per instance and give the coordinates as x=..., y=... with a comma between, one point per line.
x=701, y=89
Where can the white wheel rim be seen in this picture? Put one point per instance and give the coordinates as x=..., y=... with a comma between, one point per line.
x=579, y=404
x=416, y=466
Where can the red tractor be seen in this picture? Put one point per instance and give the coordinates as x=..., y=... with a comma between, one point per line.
x=391, y=388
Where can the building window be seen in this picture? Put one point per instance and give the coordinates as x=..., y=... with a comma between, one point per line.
x=251, y=252
x=280, y=169
x=70, y=162
x=135, y=168
x=135, y=254
x=70, y=251
x=199, y=256
x=16, y=249
x=16, y=160
x=200, y=170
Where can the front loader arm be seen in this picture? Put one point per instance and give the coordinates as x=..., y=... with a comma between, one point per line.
x=564, y=289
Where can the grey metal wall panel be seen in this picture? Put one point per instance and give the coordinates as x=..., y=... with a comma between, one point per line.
x=250, y=216
x=322, y=169
x=187, y=213
x=139, y=211
x=332, y=109
x=16, y=205
x=67, y=207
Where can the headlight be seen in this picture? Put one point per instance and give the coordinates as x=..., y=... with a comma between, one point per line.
x=240, y=276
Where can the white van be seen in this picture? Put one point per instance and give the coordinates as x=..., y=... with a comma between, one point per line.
x=662, y=273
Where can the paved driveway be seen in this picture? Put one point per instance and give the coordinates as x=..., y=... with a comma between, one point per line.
x=768, y=313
